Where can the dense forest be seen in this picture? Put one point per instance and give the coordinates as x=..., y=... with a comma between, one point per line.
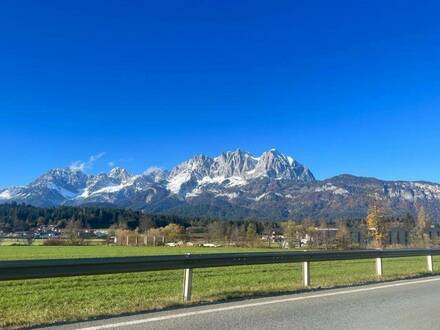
x=19, y=217
x=14, y=217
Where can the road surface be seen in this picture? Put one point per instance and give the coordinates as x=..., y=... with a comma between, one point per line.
x=412, y=304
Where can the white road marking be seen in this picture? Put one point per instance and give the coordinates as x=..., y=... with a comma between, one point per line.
x=263, y=303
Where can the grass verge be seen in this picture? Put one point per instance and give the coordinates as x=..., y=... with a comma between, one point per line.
x=32, y=302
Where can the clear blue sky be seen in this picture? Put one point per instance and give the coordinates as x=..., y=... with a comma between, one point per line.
x=343, y=86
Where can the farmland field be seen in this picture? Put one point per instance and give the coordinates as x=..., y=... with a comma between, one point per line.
x=30, y=302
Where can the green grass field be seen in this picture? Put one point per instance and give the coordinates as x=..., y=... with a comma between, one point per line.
x=31, y=302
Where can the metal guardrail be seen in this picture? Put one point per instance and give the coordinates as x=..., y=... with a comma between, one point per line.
x=32, y=269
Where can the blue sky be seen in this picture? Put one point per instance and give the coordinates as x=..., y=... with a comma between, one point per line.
x=343, y=86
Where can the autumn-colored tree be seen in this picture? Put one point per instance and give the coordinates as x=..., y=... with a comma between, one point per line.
x=323, y=238
x=238, y=233
x=73, y=232
x=153, y=232
x=152, y=236
x=216, y=231
x=122, y=236
x=418, y=234
x=309, y=227
x=292, y=232
x=376, y=226
x=343, y=236
x=173, y=232
x=408, y=222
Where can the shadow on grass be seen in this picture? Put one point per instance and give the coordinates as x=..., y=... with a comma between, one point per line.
x=236, y=297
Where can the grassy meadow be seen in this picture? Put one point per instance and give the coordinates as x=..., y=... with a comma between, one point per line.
x=31, y=302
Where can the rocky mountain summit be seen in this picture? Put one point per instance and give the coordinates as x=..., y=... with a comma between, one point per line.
x=233, y=185
x=237, y=167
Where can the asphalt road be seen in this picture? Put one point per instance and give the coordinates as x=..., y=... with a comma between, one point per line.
x=413, y=304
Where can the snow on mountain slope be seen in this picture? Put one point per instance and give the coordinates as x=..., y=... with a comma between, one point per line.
x=276, y=165
x=233, y=164
x=232, y=184
x=238, y=166
x=228, y=171
x=119, y=174
x=184, y=177
x=66, y=178
x=10, y=193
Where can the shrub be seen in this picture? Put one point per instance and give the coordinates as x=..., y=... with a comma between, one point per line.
x=54, y=242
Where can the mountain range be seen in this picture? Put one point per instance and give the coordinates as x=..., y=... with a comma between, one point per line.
x=233, y=185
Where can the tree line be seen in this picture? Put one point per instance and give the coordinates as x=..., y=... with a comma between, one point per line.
x=21, y=217
x=155, y=229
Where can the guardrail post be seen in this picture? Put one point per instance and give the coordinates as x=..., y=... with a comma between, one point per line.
x=306, y=273
x=187, y=284
x=430, y=264
x=379, y=267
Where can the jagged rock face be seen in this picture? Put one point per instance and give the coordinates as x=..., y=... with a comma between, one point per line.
x=156, y=174
x=184, y=177
x=198, y=166
x=50, y=189
x=238, y=166
x=236, y=163
x=96, y=182
x=119, y=174
x=66, y=178
x=276, y=165
x=232, y=185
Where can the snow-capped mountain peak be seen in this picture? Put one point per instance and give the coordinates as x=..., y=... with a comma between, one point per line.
x=120, y=174
x=233, y=184
x=232, y=163
x=238, y=164
x=155, y=174
x=201, y=174
x=276, y=165
x=63, y=179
